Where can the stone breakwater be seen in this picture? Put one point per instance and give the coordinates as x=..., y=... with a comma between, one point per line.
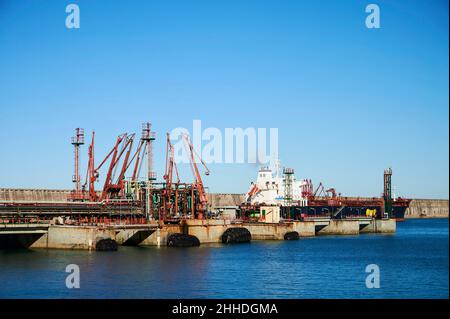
x=419, y=208
x=427, y=208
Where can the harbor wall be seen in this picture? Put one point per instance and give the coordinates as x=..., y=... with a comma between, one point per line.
x=221, y=200
x=48, y=195
x=419, y=208
x=427, y=208
x=34, y=195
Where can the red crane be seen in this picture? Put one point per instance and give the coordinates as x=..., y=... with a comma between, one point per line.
x=110, y=189
x=332, y=191
x=137, y=156
x=198, y=183
x=322, y=190
x=170, y=164
x=307, y=189
x=168, y=176
x=91, y=174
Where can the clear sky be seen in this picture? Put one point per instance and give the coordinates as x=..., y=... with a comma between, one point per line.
x=348, y=101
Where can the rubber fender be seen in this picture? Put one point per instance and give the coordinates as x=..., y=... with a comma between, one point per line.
x=236, y=235
x=182, y=240
x=106, y=244
x=292, y=235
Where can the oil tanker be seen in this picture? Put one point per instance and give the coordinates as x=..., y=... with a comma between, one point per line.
x=298, y=199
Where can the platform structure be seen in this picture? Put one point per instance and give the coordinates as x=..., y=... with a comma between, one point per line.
x=155, y=234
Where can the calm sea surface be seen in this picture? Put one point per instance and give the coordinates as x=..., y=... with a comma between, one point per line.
x=413, y=263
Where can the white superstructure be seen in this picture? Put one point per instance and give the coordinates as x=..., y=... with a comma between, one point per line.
x=270, y=189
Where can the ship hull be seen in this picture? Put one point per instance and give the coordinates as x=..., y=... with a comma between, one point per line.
x=398, y=212
x=336, y=212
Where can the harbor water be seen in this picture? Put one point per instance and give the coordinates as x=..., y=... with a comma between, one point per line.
x=412, y=263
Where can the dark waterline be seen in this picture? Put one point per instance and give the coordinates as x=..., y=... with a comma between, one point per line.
x=413, y=263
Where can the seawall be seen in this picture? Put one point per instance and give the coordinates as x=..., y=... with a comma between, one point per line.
x=427, y=208
x=33, y=195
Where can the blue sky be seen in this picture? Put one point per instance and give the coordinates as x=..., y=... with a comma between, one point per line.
x=348, y=101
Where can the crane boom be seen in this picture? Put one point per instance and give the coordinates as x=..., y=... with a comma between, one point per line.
x=92, y=173
x=110, y=189
x=198, y=183
x=168, y=176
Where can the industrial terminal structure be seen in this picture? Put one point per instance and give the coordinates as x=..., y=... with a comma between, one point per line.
x=133, y=208
x=121, y=199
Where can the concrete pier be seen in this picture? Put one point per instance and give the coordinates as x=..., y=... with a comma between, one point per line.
x=388, y=226
x=210, y=231
x=207, y=231
x=21, y=235
x=340, y=227
x=85, y=237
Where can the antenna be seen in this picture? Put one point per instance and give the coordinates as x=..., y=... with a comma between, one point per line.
x=276, y=166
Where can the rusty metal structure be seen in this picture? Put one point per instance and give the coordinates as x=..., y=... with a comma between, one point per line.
x=170, y=206
x=147, y=138
x=77, y=141
x=387, y=191
x=182, y=200
x=198, y=182
x=125, y=196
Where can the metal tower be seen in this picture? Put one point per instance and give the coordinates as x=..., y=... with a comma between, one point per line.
x=77, y=140
x=387, y=192
x=288, y=182
x=148, y=137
